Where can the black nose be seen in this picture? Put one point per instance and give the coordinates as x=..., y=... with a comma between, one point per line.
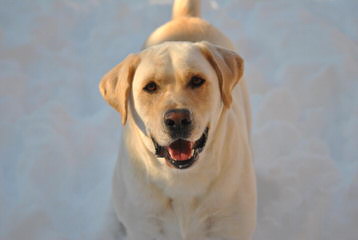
x=178, y=122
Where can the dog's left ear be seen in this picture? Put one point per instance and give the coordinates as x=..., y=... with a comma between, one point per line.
x=229, y=67
x=115, y=86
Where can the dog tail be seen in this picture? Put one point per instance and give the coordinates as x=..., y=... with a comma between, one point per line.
x=186, y=8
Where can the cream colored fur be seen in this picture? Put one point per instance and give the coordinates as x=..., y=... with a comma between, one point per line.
x=215, y=199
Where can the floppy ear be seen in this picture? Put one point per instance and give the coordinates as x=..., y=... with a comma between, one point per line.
x=229, y=67
x=115, y=86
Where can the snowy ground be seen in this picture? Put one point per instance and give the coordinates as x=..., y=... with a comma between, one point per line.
x=59, y=139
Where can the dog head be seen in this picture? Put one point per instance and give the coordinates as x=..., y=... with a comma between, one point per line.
x=178, y=90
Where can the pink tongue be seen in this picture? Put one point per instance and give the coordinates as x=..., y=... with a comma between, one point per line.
x=180, y=150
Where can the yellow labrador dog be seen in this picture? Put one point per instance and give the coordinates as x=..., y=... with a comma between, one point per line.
x=185, y=169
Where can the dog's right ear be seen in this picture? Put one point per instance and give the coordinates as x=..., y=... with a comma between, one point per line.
x=115, y=86
x=229, y=67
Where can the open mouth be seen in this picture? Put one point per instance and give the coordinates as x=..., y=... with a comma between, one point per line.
x=181, y=153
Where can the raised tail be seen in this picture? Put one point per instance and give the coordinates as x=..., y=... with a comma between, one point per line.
x=186, y=8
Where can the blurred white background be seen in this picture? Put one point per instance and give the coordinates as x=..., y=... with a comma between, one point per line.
x=59, y=139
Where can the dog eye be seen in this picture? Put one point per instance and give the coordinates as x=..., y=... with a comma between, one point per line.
x=150, y=87
x=196, y=82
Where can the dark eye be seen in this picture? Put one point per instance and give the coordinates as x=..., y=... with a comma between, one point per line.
x=196, y=82
x=150, y=87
